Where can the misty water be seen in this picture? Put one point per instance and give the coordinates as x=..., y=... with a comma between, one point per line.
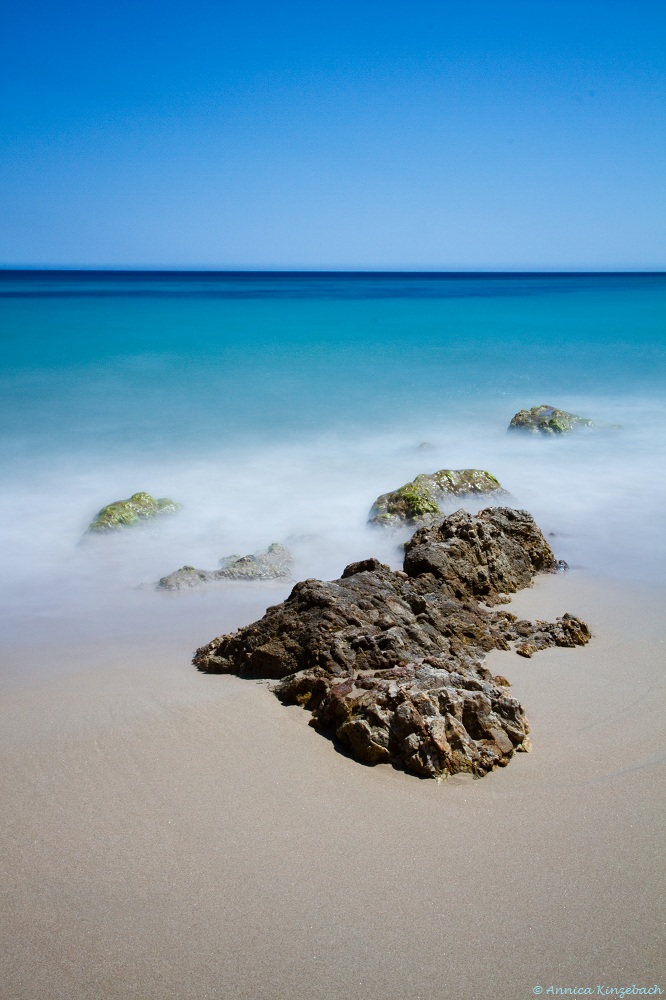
x=277, y=407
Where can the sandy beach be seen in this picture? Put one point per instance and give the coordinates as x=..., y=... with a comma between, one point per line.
x=174, y=835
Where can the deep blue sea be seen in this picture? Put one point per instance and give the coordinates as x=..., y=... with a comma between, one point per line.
x=278, y=406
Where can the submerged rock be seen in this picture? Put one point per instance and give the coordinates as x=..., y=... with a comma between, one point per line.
x=418, y=502
x=186, y=578
x=390, y=663
x=272, y=563
x=547, y=420
x=126, y=513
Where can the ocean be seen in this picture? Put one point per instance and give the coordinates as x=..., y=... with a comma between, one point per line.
x=278, y=406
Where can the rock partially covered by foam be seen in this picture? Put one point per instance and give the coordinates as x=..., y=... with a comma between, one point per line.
x=390, y=663
x=270, y=564
x=126, y=513
x=546, y=419
x=419, y=501
x=273, y=563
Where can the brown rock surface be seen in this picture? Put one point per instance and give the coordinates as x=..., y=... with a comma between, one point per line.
x=390, y=663
x=482, y=556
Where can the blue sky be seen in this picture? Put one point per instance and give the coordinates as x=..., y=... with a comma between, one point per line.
x=442, y=135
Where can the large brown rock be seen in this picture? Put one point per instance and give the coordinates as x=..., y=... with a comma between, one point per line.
x=390, y=663
x=482, y=556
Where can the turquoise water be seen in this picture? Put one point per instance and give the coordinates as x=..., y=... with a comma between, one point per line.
x=275, y=405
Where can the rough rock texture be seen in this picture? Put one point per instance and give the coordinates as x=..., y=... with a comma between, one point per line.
x=271, y=564
x=418, y=502
x=125, y=513
x=564, y=631
x=390, y=663
x=547, y=420
x=483, y=556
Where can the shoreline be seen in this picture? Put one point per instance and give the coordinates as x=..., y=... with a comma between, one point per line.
x=178, y=835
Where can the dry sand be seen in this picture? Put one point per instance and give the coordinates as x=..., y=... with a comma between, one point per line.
x=173, y=835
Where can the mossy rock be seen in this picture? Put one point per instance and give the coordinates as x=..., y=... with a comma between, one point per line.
x=546, y=419
x=126, y=513
x=418, y=502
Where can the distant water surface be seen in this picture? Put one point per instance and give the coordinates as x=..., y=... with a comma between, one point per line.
x=280, y=405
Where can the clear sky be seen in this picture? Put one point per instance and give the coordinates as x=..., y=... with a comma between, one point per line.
x=374, y=133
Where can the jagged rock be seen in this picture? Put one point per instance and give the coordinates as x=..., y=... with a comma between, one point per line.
x=547, y=420
x=483, y=556
x=271, y=564
x=126, y=513
x=564, y=631
x=418, y=502
x=390, y=663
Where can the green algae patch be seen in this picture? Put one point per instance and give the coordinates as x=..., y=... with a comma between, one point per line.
x=415, y=499
x=546, y=419
x=419, y=501
x=135, y=510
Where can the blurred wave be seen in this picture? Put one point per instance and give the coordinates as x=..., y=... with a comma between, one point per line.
x=284, y=421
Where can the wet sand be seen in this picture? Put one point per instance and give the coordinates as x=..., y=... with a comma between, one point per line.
x=173, y=835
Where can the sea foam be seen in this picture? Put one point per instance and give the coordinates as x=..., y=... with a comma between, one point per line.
x=280, y=412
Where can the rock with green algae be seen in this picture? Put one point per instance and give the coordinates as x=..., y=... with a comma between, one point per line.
x=418, y=502
x=546, y=419
x=126, y=513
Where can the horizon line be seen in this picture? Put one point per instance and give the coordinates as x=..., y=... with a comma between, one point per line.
x=301, y=271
